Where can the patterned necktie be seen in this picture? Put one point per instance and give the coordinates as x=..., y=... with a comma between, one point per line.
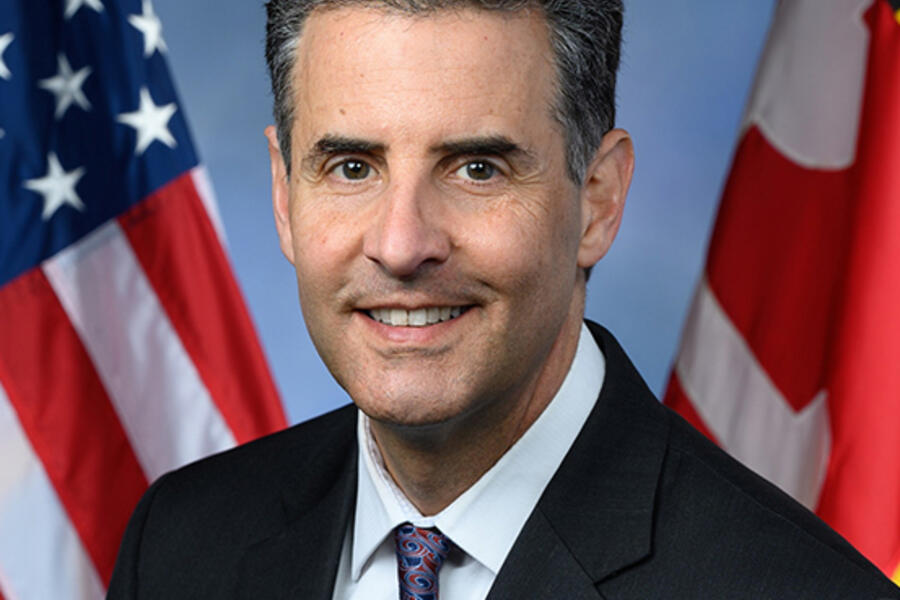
x=420, y=554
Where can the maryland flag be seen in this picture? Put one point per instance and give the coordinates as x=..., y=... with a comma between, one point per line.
x=790, y=357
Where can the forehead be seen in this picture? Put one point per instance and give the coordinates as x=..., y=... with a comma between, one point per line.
x=461, y=69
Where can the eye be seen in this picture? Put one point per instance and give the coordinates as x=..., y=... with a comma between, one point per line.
x=477, y=170
x=354, y=170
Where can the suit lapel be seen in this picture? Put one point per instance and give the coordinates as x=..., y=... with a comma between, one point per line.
x=540, y=566
x=596, y=516
x=301, y=561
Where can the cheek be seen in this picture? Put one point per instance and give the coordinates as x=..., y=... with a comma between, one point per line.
x=528, y=239
x=512, y=255
x=319, y=250
x=321, y=236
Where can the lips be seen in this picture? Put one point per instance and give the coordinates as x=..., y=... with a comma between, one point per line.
x=419, y=317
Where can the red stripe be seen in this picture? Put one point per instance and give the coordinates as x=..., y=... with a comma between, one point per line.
x=67, y=416
x=776, y=261
x=862, y=487
x=678, y=401
x=177, y=246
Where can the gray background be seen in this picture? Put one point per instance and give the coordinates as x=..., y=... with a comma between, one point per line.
x=686, y=70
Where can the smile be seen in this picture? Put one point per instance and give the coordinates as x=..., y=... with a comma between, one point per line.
x=419, y=317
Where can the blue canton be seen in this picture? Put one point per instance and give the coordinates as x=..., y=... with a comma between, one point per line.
x=89, y=121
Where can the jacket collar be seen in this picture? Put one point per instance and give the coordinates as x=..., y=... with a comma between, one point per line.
x=596, y=516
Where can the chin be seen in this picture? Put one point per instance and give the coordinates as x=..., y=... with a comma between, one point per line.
x=405, y=415
x=411, y=411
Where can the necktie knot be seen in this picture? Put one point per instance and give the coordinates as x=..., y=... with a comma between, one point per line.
x=420, y=554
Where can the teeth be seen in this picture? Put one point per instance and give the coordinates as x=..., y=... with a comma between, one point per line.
x=419, y=317
x=399, y=316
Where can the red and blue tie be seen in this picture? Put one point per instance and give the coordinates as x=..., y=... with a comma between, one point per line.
x=420, y=554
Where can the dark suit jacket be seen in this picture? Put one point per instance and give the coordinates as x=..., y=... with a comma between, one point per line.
x=642, y=507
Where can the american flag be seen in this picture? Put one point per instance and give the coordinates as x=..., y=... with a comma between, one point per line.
x=125, y=348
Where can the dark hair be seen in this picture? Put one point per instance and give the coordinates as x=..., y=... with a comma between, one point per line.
x=585, y=35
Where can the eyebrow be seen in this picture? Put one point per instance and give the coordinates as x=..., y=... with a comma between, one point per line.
x=492, y=145
x=328, y=145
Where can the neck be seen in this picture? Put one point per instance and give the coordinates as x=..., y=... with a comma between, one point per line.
x=435, y=464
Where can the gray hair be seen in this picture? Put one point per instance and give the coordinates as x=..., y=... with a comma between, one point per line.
x=585, y=35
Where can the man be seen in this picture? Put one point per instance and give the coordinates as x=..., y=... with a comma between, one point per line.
x=445, y=174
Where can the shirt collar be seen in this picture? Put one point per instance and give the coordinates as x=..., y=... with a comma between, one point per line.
x=503, y=498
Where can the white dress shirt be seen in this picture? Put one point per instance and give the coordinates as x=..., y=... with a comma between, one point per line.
x=483, y=522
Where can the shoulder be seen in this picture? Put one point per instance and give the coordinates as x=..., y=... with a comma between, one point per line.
x=194, y=524
x=718, y=530
x=303, y=458
x=718, y=518
x=309, y=448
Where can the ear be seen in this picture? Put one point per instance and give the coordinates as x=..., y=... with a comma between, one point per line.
x=280, y=195
x=603, y=196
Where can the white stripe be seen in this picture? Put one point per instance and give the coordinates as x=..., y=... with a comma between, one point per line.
x=816, y=50
x=744, y=410
x=154, y=386
x=41, y=556
x=205, y=190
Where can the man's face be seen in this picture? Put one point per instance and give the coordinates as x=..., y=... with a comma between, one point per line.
x=435, y=234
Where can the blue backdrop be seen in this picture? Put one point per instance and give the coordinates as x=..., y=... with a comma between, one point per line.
x=686, y=70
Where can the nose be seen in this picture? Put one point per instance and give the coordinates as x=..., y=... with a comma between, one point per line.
x=408, y=233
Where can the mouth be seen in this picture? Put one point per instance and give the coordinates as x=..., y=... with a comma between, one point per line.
x=418, y=317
